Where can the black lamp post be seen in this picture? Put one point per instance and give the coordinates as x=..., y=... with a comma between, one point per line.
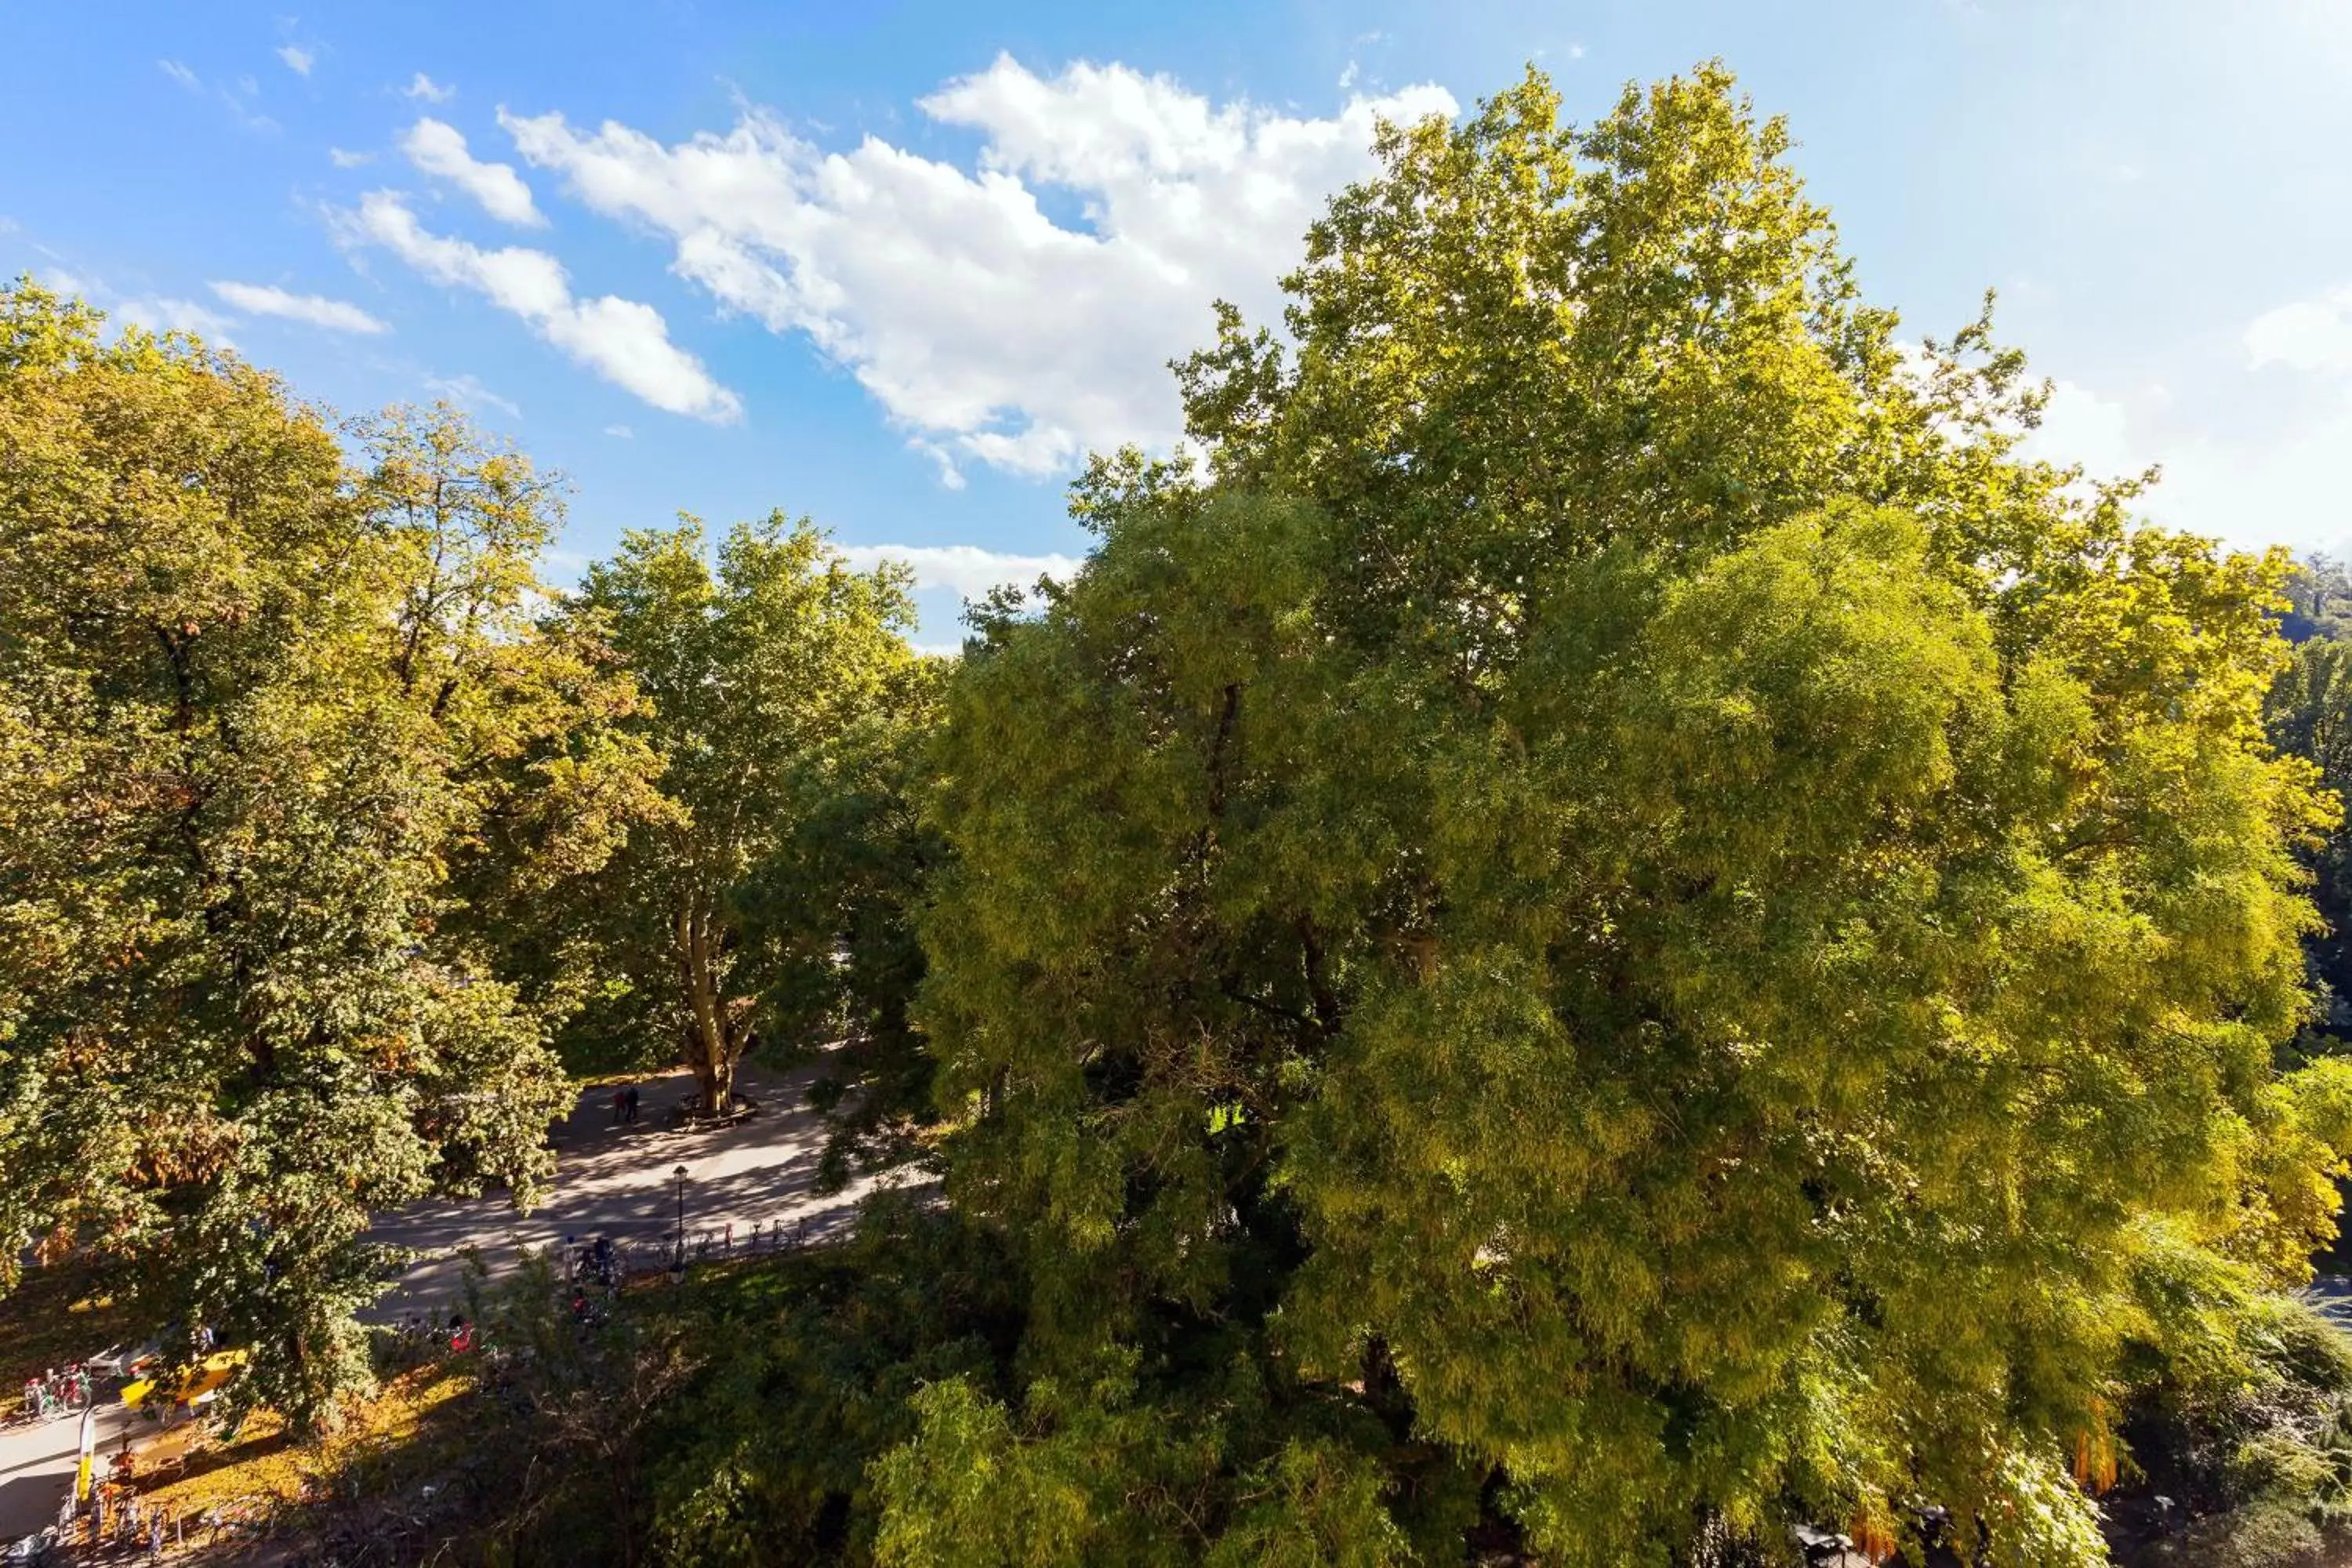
x=679, y=1266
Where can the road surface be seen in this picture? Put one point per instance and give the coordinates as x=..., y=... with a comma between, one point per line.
x=618, y=1181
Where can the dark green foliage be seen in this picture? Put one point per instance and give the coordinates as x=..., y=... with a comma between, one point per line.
x=836, y=898
x=2250, y=1445
x=775, y=678
x=813, y=1374
x=2309, y=714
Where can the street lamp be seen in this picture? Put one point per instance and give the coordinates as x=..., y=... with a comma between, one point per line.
x=678, y=1268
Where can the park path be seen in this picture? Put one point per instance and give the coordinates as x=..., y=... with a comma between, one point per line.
x=619, y=1182
x=610, y=1181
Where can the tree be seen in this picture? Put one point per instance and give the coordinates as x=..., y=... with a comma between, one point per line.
x=2309, y=711
x=1622, y=921
x=837, y=899
x=760, y=674
x=2319, y=601
x=256, y=708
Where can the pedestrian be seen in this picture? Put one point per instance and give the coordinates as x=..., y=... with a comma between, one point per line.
x=620, y=1105
x=633, y=1102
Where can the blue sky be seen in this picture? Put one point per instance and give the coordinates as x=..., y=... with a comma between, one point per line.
x=896, y=266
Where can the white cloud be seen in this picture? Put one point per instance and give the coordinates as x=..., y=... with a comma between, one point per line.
x=2080, y=427
x=620, y=433
x=156, y=313
x=2309, y=335
x=624, y=342
x=2277, y=484
x=950, y=475
x=182, y=75
x=424, y=90
x=317, y=310
x=439, y=149
x=988, y=329
x=966, y=569
x=298, y=59
x=343, y=160
x=471, y=392
x=166, y=314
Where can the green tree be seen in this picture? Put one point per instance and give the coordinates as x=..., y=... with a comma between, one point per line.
x=763, y=674
x=1621, y=920
x=2309, y=711
x=256, y=707
x=2319, y=601
x=838, y=900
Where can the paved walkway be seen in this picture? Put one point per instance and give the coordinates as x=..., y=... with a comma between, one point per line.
x=36, y=1464
x=611, y=1181
x=620, y=1181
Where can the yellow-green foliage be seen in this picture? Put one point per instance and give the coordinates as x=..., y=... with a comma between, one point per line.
x=1619, y=903
x=277, y=736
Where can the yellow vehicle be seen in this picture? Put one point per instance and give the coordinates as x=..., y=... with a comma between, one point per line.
x=219, y=1368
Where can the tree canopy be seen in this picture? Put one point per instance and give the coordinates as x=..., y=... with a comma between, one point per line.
x=771, y=679
x=1620, y=919
x=1605, y=923
x=266, y=713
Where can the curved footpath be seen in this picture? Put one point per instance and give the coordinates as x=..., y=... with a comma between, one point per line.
x=611, y=1181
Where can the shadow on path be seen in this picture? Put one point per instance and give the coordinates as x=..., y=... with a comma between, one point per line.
x=619, y=1182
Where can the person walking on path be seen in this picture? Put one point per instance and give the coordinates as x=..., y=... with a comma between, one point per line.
x=632, y=1104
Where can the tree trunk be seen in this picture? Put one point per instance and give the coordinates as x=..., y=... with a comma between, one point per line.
x=709, y=1051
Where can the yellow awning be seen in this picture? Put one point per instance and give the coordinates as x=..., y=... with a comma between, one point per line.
x=217, y=1370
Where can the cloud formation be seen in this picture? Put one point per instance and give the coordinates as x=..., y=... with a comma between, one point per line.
x=624, y=340
x=965, y=569
x=2265, y=483
x=2312, y=335
x=298, y=59
x=439, y=149
x=992, y=332
x=314, y=310
x=163, y=313
x=469, y=390
x=424, y=90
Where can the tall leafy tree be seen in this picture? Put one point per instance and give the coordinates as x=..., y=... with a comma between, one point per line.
x=838, y=900
x=2310, y=716
x=2309, y=711
x=1621, y=923
x=763, y=671
x=256, y=706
